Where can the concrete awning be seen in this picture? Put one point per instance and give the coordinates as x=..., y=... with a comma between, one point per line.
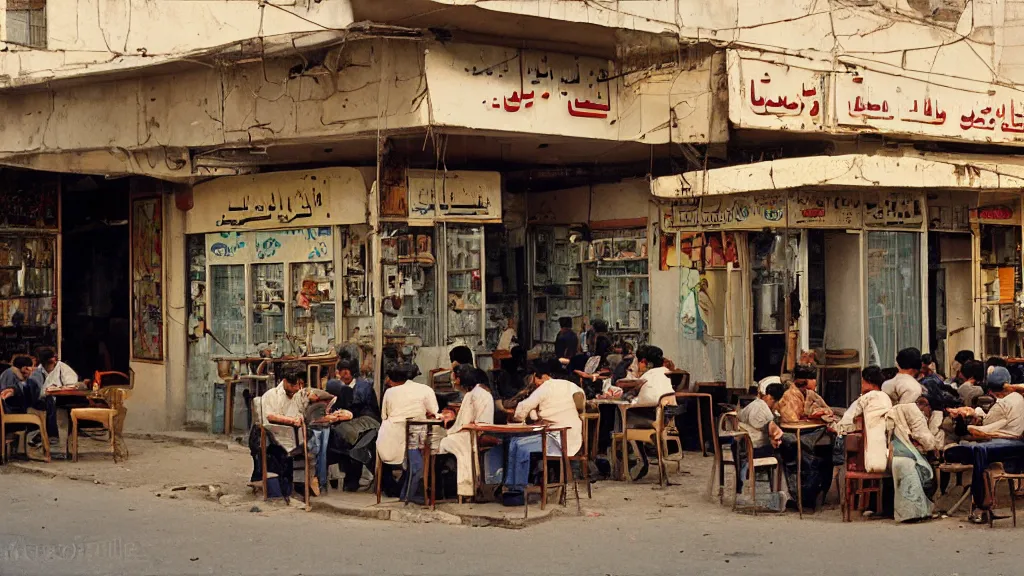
x=850, y=171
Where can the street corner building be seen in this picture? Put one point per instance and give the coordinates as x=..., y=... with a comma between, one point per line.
x=195, y=192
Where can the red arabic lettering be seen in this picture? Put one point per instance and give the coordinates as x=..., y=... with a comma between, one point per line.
x=588, y=109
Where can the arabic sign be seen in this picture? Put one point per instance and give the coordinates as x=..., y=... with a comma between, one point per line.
x=270, y=246
x=454, y=195
x=325, y=197
x=491, y=87
x=823, y=210
x=767, y=95
x=770, y=95
x=893, y=209
x=803, y=209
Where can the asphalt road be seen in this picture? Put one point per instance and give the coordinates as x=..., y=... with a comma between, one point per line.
x=68, y=527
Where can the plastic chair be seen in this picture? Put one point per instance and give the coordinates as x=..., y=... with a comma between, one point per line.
x=111, y=418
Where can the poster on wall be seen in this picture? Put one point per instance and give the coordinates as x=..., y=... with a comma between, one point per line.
x=147, y=273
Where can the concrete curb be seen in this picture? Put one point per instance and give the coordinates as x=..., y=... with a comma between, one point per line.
x=215, y=443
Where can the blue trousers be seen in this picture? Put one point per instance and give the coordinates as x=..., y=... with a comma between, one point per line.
x=318, y=440
x=520, y=448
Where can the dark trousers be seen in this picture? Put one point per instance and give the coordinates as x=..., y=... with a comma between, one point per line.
x=739, y=455
x=49, y=405
x=980, y=455
x=816, y=468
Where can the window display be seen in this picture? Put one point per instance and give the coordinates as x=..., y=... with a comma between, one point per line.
x=356, y=303
x=268, y=304
x=557, y=282
x=409, y=285
x=313, y=306
x=463, y=249
x=227, y=306
x=617, y=283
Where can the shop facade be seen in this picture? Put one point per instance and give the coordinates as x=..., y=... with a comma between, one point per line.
x=849, y=270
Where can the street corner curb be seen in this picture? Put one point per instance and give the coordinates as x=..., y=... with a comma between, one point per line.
x=350, y=511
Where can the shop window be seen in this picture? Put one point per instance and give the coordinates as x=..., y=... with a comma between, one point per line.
x=617, y=284
x=773, y=272
x=557, y=282
x=268, y=304
x=313, y=305
x=894, y=295
x=26, y=23
x=464, y=283
x=1001, y=285
x=409, y=306
x=227, y=305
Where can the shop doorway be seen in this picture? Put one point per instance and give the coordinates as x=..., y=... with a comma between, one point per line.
x=95, y=318
x=834, y=312
x=950, y=305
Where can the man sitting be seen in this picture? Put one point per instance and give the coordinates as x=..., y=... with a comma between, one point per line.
x=973, y=372
x=351, y=442
x=552, y=403
x=1005, y=419
x=757, y=419
x=50, y=373
x=403, y=400
x=656, y=383
x=15, y=391
x=477, y=408
x=904, y=387
x=801, y=403
x=957, y=377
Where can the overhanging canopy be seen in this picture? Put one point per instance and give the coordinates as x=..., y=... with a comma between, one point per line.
x=850, y=171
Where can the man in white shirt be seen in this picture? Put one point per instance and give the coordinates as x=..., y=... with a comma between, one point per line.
x=51, y=373
x=757, y=419
x=552, y=403
x=650, y=363
x=1006, y=418
x=904, y=387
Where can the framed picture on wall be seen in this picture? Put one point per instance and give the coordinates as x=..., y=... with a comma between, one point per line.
x=147, y=279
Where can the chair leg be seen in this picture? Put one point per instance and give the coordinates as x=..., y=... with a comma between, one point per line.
x=377, y=474
x=1013, y=501
x=544, y=472
x=113, y=441
x=662, y=465
x=74, y=439
x=585, y=463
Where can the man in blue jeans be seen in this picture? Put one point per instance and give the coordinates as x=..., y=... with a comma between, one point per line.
x=552, y=403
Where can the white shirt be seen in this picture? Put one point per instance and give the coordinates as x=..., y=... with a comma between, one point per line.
x=656, y=384
x=873, y=406
x=754, y=419
x=902, y=389
x=276, y=401
x=62, y=375
x=555, y=406
x=1006, y=418
x=477, y=407
x=408, y=401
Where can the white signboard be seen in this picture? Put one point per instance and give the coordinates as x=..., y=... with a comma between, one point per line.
x=767, y=95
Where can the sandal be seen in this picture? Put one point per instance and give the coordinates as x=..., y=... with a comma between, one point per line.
x=978, y=518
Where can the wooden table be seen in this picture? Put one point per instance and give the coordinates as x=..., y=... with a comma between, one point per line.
x=700, y=421
x=799, y=427
x=511, y=430
x=426, y=453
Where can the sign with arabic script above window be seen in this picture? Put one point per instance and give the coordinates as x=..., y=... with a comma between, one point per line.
x=275, y=200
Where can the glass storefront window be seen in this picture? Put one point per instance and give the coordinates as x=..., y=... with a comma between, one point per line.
x=894, y=294
x=313, y=305
x=268, y=304
x=463, y=259
x=409, y=286
x=227, y=307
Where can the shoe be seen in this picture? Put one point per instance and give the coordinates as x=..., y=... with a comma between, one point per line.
x=34, y=439
x=978, y=517
x=513, y=499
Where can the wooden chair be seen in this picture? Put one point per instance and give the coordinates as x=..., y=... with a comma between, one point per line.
x=31, y=419
x=654, y=435
x=959, y=470
x=729, y=433
x=997, y=474
x=258, y=411
x=868, y=483
x=114, y=389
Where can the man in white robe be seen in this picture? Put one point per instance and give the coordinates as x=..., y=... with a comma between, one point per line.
x=477, y=408
x=904, y=387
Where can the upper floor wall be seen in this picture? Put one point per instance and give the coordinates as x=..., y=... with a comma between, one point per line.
x=42, y=40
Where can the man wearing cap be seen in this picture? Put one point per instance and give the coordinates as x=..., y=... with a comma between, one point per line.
x=1006, y=418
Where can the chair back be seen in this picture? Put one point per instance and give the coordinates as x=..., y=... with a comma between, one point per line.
x=680, y=380
x=855, y=445
x=580, y=399
x=729, y=422
x=115, y=379
x=114, y=396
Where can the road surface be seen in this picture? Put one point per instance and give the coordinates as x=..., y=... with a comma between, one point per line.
x=62, y=526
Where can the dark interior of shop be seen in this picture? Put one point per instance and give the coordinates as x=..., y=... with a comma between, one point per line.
x=95, y=262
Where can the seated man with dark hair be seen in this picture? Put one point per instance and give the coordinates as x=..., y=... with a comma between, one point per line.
x=567, y=342
x=48, y=374
x=799, y=403
x=757, y=419
x=903, y=388
x=351, y=443
x=403, y=400
x=460, y=355
x=956, y=377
